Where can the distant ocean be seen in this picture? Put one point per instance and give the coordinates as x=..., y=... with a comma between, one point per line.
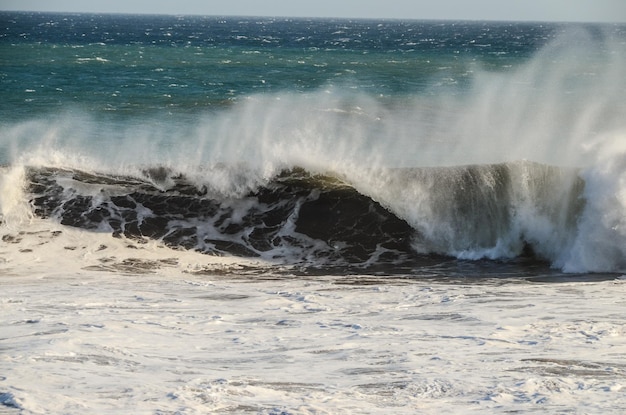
x=362, y=151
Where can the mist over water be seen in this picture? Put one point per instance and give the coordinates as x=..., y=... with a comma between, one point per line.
x=483, y=161
x=561, y=107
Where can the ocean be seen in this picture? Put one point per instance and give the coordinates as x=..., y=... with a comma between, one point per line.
x=311, y=216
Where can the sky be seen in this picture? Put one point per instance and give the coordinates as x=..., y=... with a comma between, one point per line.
x=527, y=10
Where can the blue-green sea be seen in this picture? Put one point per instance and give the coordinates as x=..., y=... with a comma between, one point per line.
x=167, y=64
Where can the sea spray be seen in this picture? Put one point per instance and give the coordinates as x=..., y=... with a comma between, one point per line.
x=546, y=110
x=600, y=243
x=14, y=208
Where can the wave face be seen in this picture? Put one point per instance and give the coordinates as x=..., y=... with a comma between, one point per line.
x=471, y=212
x=489, y=211
x=296, y=216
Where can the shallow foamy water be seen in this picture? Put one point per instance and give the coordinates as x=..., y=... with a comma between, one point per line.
x=152, y=334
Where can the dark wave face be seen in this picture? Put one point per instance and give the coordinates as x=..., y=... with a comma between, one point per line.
x=296, y=216
x=503, y=212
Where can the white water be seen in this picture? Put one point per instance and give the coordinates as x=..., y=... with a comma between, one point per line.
x=110, y=329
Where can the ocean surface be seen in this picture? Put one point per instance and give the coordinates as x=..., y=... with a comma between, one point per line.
x=285, y=216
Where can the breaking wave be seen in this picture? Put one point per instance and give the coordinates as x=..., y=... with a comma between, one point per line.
x=342, y=176
x=499, y=212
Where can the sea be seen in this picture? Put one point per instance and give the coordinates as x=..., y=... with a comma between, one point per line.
x=255, y=215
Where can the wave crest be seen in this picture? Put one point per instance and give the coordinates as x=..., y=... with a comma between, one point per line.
x=392, y=216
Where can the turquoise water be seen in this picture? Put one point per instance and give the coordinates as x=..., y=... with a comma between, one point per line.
x=161, y=64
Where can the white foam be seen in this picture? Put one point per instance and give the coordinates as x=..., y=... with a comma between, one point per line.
x=14, y=208
x=601, y=240
x=80, y=341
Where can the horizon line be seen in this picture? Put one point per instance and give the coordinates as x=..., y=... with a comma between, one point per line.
x=252, y=16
